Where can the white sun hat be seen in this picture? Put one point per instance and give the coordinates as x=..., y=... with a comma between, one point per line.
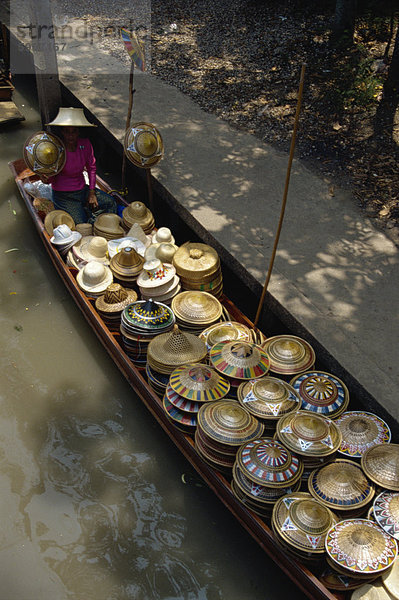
x=92, y=247
x=94, y=277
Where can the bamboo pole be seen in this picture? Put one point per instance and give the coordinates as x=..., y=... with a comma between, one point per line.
x=128, y=119
x=284, y=202
x=149, y=190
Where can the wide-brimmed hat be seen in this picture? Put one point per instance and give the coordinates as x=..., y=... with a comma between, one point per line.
x=92, y=247
x=115, y=299
x=143, y=145
x=71, y=117
x=61, y=217
x=94, y=277
x=137, y=212
x=108, y=225
x=44, y=153
x=155, y=274
x=115, y=246
x=63, y=236
x=127, y=263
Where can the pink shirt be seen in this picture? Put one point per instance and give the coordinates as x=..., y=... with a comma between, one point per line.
x=71, y=179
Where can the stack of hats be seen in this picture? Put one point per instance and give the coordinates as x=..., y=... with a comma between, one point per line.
x=263, y=472
x=360, y=431
x=137, y=212
x=164, y=251
x=268, y=399
x=84, y=228
x=63, y=238
x=58, y=217
x=321, y=393
x=359, y=549
x=198, y=266
x=343, y=487
x=225, y=332
x=238, y=362
x=289, y=355
x=314, y=437
x=112, y=303
x=301, y=525
x=126, y=266
x=222, y=427
x=158, y=281
x=168, y=351
x=94, y=279
x=163, y=236
x=189, y=388
x=195, y=311
x=87, y=249
x=386, y=512
x=109, y=226
x=141, y=322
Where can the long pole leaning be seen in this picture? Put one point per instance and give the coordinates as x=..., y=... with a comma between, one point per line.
x=128, y=119
x=284, y=202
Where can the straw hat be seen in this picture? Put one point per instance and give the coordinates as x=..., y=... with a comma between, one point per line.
x=173, y=349
x=84, y=228
x=137, y=212
x=44, y=153
x=361, y=430
x=143, y=145
x=115, y=299
x=321, y=392
x=108, y=225
x=94, y=277
x=127, y=263
x=381, y=465
x=195, y=261
x=92, y=247
x=71, y=117
x=163, y=236
x=58, y=217
x=155, y=275
x=63, y=236
x=289, y=354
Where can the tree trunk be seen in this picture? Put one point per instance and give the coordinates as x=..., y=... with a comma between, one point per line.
x=344, y=22
x=391, y=86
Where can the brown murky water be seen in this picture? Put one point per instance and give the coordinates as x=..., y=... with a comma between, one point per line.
x=93, y=505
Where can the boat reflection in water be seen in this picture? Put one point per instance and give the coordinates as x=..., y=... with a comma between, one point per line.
x=93, y=501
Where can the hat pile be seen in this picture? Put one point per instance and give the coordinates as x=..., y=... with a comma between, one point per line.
x=289, y=355
x=163, y=236
x=196, y=310
x=239, y=361
x=137, y=212
x=222, y=427
x=189, y=388
x=343, y=487
x=263, y=472
x=198, y=266
x=141, y=322
x=63, y=238
x=164, y=251
x=321, y=393
x=94, y=279
x=88, y=248
x=301, y=525
x=126, y=266
x=112, y=303
x=381, y=465
x=268, y=399
x=314, y=437
x=109, y=226
x=158, y=281
x=168, y=351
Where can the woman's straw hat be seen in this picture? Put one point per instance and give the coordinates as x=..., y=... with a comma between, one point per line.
x=94, y=277
x=71, y=117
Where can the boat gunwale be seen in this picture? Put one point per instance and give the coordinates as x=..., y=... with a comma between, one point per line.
x=252, y=523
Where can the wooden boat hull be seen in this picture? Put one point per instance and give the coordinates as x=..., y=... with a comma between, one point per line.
x=255, y=526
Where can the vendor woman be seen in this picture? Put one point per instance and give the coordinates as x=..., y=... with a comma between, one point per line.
x=70, y=191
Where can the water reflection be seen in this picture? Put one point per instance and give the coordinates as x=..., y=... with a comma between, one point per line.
x=93, y=505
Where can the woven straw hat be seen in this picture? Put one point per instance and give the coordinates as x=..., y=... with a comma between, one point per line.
x=58, y=217
x=143, y=145
x=44, y=153
x=127, y=263
x=155, y=275
x=196, y=261
x=92, y=248
x=137, y=212
x=94, y=277
x=173, y=349
x=381, y=465
x=115, y=299
x=71, y=117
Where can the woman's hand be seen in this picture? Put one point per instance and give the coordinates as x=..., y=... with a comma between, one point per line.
x=93, y=200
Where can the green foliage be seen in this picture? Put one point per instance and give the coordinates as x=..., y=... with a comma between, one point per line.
x=366, y=86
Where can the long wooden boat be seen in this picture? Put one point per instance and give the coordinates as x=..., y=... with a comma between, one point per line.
x=307, y=581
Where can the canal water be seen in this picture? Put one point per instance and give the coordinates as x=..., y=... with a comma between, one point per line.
x=96, y=502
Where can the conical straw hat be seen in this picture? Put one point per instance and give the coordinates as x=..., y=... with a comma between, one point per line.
x=115, y=299
x=289, y=354
x=322, y=393
x=71, y=117
x=143, y=145
x=361, y=430
x=175, y=348
x=199, y=382
x=381, y=465
x=44, y=153
x=239, y=360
